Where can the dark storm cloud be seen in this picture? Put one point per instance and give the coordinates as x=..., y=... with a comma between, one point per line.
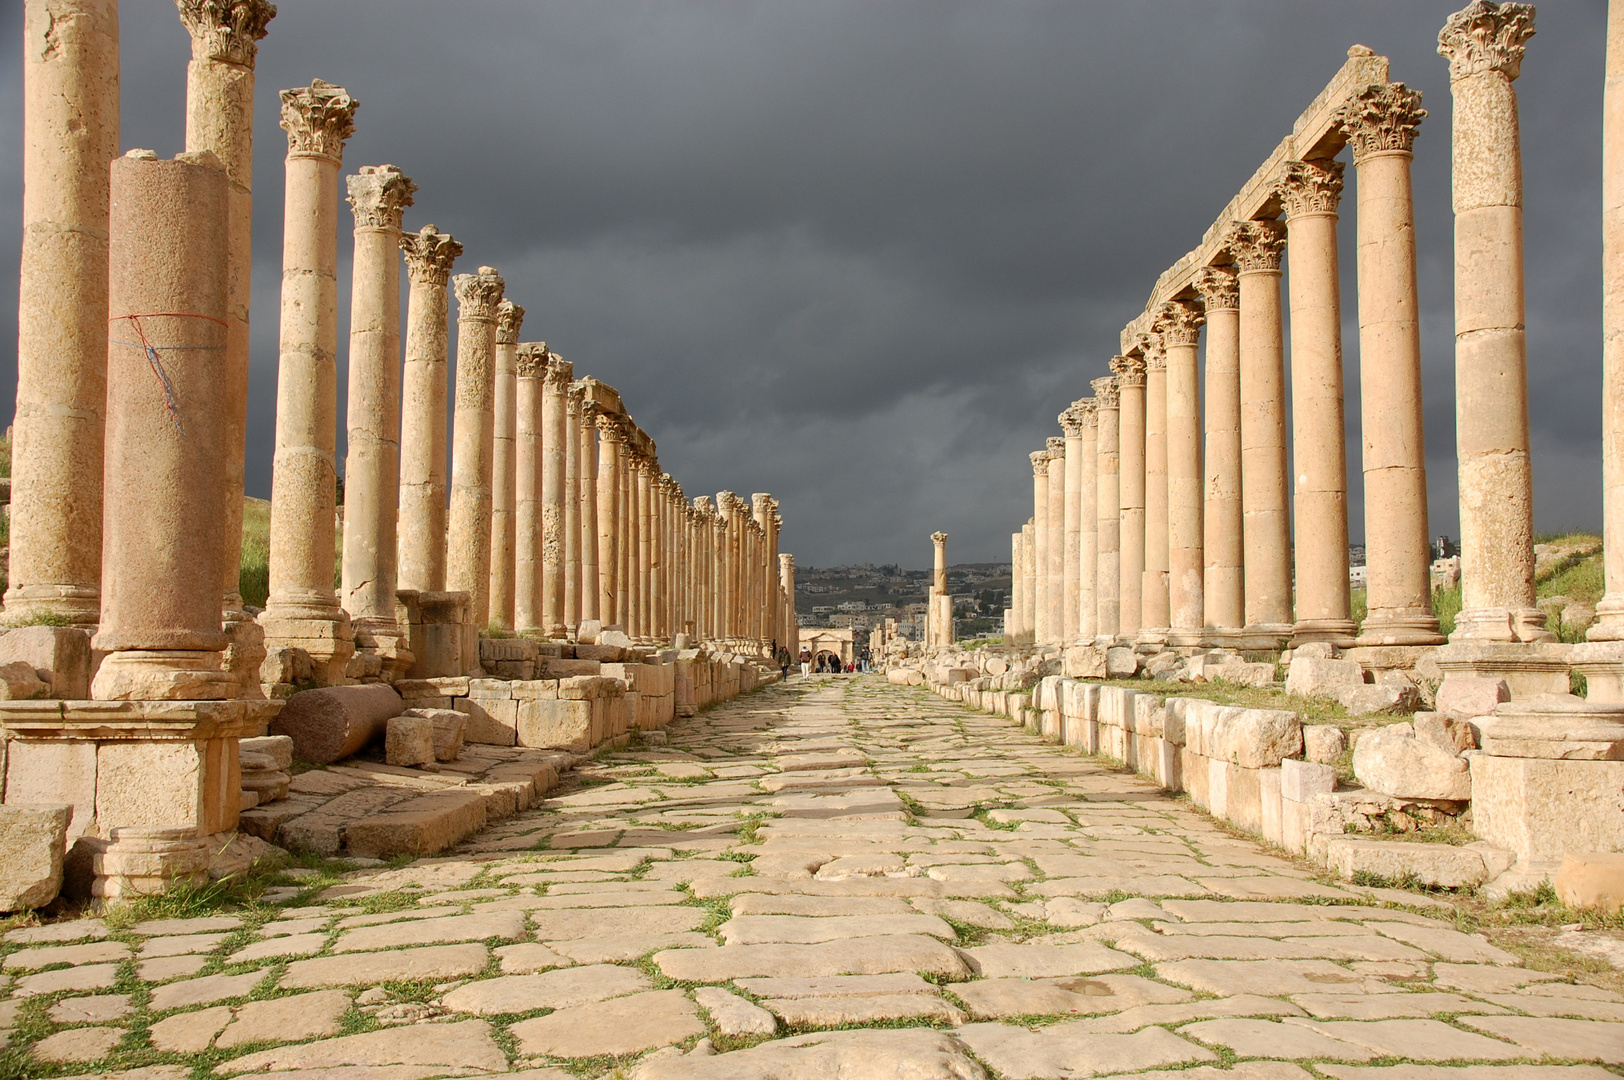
x=861, y=254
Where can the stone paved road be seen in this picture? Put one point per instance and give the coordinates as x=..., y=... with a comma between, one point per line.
x=955, y=898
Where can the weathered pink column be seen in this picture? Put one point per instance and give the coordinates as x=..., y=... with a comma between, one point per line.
x=1153, y=597
x=1130, y=373
x=421, y=542
x=573, y=397
x=1040, y=547
x=303, y=610
x=530, y=370
x=554, y=493
x=609, y=528
x=587, y=454
x=379, y=195
x=70, y=135
x=1381, y=124
x=509, y=319
x=473, y=441
x=165, y=478
x=1484, y=44
x=1179, y=324
x=1107, y=511
x=1609, y=624
x=1310, y=191
x=1223, y=591
x=1256, y=246
x=1071, y=422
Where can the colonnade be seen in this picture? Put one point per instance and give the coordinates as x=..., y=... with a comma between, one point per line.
x=1189, y=512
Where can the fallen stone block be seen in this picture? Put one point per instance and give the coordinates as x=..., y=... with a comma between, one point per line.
x=32, y=842
x=1261, y=738
x=335, y=722
x=449, y=728
x=1468, y=696
x=1312, y=677
x=409, y=740
x=1446, y=732
x=1080, y=662
x=1386, y=697
x=1592, y=879
x=1323, y=743
x=279, y=748
x=420, y=826
x=1241, y=673
x=1121, y=662
x=1393, y=761
x=59, y=656
x=1441, y=865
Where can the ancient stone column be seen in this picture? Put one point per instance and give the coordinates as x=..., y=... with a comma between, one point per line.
x=1381, y=124
x=1071, y=422
x=220, y=119
x=609, y=470
x=1310, y=191
x=587, y=455
x=626, y=571
x=1179, y=324
x=1088, y=524
x=641, y=511
x=1484, y=44
x=659, y=554
x=379, y=195
x=1054, y=574
x=530, y=371
x=1256, y=246
x=935, y=635
x=303, y=610
x=1012, y=624
x=473, y=441
x=509, y=319
x=70, y=135
x=554, y=490
x=572, y=507
x=761, y=506
x=1153, y=596
x=1029, y=579
x=1609, y=624
x=421, y=542
x=1107, y=512
x=166, y=431
x=786, y=577
x=1130, y=373
x=1040, y=547
x=1223, y=521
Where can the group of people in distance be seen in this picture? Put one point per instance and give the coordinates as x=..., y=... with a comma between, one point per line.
x=822, y=664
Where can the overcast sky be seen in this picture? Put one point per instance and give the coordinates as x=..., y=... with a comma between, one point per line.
x=860, y=254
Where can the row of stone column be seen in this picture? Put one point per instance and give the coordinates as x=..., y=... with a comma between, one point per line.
x=1162, y=524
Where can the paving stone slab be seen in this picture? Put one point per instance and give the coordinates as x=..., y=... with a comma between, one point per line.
x=477, y=927
x=1206, y=1009
x=93, y=953
x=993, y=998
x=1578, y=1040
x=1037, y=961
x=1019, y=1054
x=1387, y=1006
x=78, y=1044
x=838, y=986
x=1483, y=979
x=557, y=989
x=94, y=1009
x=170, y=967
x=462, y=1045
x=763, y=904
x=209, y=988
x=364, y=969
x=732, y=1015
x=286, y=1019
x=582, y=923
x=183, y=945
x=190, y=1032
x=204, y=925
x=1272, y=1039
x=1449, y=944
x=1421, y=1040
x=801, y=930
x=66, y=930
x=1467, y=1072
x=1577, y=1008
x=913, y=1054
x=865, y=1009
x=624, y=1025
x=1267, y=977
x=292, y=945
x=629, y=946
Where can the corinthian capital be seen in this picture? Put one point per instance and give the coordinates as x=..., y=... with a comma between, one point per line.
x=379, y=195
x=1381, y=118
x=1105, y=392
x=478, y=294
x=429, y=255
x=531, y=358
x=1056, y=446
x=1256, y=245
x=509, y=317
x=1088, y=412
x=1485, y=36
x=1155, y=351
x=560, y=373
x=1129, y=370
x=1071, y=421
x=1040, y=462
x=938, y=538
x=1311, y=187
x=1218, y=288
x=1179, y=323
x=318, y=119
x=226, y=30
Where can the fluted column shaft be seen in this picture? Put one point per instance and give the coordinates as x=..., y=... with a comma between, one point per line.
x=1130, y=372
x=1054, y=573
x=645, y=551
x=1012, y=625
x=473, y=442
x=1029, y=581
x=1179, y=324
x=1072, y=529
x=1107, y=511
x=1087, y=601
x=504, y=482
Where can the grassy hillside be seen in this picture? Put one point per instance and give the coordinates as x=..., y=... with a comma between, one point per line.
x=254, y=580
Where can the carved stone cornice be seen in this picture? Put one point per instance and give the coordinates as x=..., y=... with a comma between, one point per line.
x=1257, y=245
x=227, y=31
x=1155, y=352
x=1105, y=392
x=1219, y=289
x=318, y=119
x=1040, y=462
x=1485, y=36
x=509, y=317
x=1311, y=187
x=379, y=195
x=1129, y=371
x=429, y=255
x=532, y=359
x=478, y=294
x=560, y=373
x=1179, y=322
x=1381, y=119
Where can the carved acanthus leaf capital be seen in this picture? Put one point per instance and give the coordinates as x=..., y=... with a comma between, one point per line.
x=1179, y=322
x=1219, y=289
x=1311, y=187
x=1056, y=446
x=1129, y=371
x=760, y=502
x=531, y=358
x=1040, y=462
x=1071, y=421
x=478, y=294
x=560, y=373
x=1105, y=392
x=379, y=195
x=1088, y=412
x=1154, y=351
x=938, y=538
x=318, y=119
x=1381, y=118
x=1485, y=36
x=509, y=318
x=1257, y=244
x=227, y=31
x=589, y=409
x=429, y=255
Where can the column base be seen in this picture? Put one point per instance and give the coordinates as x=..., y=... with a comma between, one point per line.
x=1392, y=657
x=1185, y=637
x=163, y=675
x=79, y=604
x=1602, y=664
x=1556, y=728
x=136, y=861
x=1501, y=624
x=384, y=639
x=1263, y=637
x=1400, y=628
x=1609, y=624
x=1339, y=632
x=325, y=635
x=1221, y=637
x=1541, y=809
x=1152, y=637
x=1528, y=668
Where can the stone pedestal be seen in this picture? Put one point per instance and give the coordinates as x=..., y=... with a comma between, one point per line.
x=1107, y=536
x=1130, y=375
x=421, y=541
x=473, y=441
x=1528, y=668
x=1222, y=516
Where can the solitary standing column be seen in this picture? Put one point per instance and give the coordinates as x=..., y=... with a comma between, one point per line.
x=591, y=588
x=1484, y=44
x=1310, y=192
x=303, y=611
x=473, y=441
x=1257, y=246
x=939, y=634
x=429, y=255
x=1609, y=624
x=609, y=469
x=1179, y=324
x=160, y=614
x=1107, y=511
x=1153, y=594
x=1054, y=574
x=1040, y=547
x=70, y=135
x=572, y=507
x=220, y=119
x=1130, y=373
x=379, y=196
x=1381, y=124
x=1223, y=591
x=504, y=486
x=555, y=435
x=530, y=370
x=1088, y=525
